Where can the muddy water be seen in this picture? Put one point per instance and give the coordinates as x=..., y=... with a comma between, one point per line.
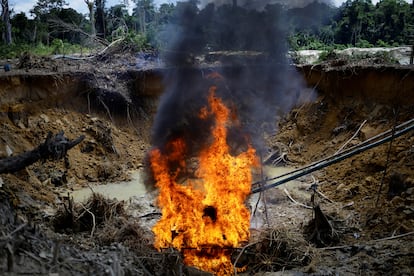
x=123, y=190
x=296, y=186
x=135, y=187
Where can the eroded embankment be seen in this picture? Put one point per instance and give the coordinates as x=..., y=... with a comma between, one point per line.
x=81, y=92
x=116, y=118
x=140, y=90
x=130, y=99
x=389, y=85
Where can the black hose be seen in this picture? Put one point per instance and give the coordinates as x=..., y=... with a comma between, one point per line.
x=337, y=158
x=343, y=152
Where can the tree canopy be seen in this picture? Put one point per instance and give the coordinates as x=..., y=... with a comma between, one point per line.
x=225, y=27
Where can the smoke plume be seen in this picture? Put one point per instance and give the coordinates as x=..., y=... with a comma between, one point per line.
x=260, y=4
x=258, y=81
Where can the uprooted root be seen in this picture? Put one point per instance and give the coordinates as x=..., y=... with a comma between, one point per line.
x=275, y=250
x=320, y=230
x=134, y=237
x=277, y=156
x=86, y=217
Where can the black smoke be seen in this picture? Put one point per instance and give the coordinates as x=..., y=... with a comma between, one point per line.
x=258, y=82
x=259, y=5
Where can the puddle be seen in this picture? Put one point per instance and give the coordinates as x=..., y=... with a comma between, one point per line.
x=294, y=185
x=123, y=190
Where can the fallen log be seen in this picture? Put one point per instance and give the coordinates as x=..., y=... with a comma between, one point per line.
x=54, y=147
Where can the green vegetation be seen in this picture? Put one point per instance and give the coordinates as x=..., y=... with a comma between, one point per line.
x=16, y=50
x=56, y=29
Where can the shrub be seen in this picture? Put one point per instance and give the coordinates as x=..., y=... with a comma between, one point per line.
x=57, y=46
x=381, y=43
x=362, y=43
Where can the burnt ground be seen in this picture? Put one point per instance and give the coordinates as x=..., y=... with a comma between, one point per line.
x=42, y=231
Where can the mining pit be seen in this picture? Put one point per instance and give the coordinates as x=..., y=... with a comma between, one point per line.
x=47, y=229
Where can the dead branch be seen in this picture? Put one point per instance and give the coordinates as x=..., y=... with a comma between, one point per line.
x=241, y=253
x=350, y=139
x=93, y=219
x=294, y=201
x=150, y=215
x=324, y=196
x=58, y=24
x=56, y=250
x=394, y=237
x=315, y=184
x=54, y=147
x=377, y=240
x=10, y=235
x=10, y=258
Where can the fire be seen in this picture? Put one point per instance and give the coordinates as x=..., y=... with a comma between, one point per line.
x=205, y=217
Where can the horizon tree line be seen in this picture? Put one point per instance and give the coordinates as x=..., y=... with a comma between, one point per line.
x=355, y=23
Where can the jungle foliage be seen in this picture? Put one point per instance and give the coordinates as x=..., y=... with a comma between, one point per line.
x=54, y=27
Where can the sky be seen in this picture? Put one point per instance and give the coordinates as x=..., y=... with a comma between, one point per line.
x=80, y=6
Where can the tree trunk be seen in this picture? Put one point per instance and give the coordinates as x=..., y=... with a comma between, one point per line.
x=34, y=33
x=5, y=16
x=143, y=20
x=54, y=147
x=100, y=18
x=90, y=4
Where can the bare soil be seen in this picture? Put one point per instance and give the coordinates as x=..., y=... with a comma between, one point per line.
x=370, y=196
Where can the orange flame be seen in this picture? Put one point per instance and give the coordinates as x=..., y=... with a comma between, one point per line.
x=205, y=218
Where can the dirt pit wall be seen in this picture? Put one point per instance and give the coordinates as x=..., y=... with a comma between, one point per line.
x=116, y=142
x=113, y=112
x=140, y=90
x=389, y=85
x=80, y=92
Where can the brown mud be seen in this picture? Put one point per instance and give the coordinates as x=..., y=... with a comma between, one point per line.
x=113, y=103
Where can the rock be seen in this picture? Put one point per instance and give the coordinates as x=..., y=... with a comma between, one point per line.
x=341, y=187
x=367, y=132
x=21, y=125
x=9, y=151
x=45, y=118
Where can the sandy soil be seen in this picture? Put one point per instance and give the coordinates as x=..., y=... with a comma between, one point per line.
x=42, y=231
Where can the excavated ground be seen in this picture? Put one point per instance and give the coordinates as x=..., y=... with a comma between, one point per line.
x=112, y=103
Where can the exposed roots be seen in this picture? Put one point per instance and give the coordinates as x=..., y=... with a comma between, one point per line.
x=320, y=230
x=86, y=217
x=277, y=156
x=275, y=250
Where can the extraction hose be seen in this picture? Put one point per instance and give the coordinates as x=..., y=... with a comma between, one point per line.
x=366, y=145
